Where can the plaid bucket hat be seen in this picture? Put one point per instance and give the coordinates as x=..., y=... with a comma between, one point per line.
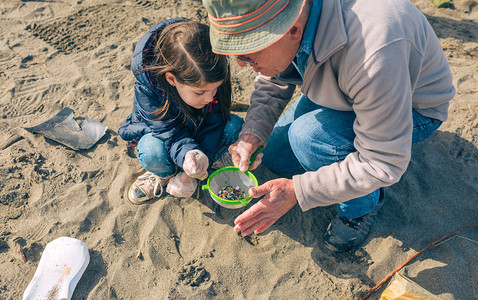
x=245, y=26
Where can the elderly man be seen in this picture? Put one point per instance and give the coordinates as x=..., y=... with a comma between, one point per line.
x=374, y=80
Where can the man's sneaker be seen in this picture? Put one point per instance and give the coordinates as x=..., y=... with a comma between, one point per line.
x=344, y=234
x=147, y=187
x=223, y=161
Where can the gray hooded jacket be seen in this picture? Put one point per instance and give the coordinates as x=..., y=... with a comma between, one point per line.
x=379, y=59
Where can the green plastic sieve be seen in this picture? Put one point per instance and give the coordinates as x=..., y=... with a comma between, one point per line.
x=230, y=176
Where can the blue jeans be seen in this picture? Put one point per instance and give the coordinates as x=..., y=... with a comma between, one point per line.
x=330, y=135
x=153, y=155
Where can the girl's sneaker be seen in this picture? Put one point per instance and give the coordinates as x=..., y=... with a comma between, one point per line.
x=148, y=186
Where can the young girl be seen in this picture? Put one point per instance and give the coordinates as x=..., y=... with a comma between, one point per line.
x=181, y=119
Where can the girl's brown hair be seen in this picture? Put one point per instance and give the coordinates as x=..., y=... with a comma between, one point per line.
x=184, y=49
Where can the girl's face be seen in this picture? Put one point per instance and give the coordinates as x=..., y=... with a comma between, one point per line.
x=196, y=97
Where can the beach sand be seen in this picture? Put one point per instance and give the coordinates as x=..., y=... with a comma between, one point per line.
x=77, y=54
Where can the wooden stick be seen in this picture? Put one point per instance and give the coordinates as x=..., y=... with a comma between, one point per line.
x=412, y=257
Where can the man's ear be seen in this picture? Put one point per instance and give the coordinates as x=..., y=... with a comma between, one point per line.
x=170, y=78
x=296, y=32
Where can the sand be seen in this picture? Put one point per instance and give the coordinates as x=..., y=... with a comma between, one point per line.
x=76, y=54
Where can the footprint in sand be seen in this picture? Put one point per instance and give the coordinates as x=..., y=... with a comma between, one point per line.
x=84, y=30
x=193, y=274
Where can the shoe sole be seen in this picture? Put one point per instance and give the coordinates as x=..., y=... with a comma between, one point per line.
x=61, y=266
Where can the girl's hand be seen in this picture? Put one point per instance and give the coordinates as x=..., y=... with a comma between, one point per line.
x=181, y=185
x=195, y=164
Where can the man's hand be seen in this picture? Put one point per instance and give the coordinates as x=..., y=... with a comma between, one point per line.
x=242, y=150
x=195, y=164
x=279, y=198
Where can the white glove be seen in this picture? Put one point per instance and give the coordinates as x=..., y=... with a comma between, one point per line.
x=179, y=189
x=195, y=164
x=242, y=150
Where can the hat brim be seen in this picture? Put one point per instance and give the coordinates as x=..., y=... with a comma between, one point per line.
x=258, y=38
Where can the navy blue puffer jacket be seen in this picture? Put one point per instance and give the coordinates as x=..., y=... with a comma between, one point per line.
x=179, y=138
